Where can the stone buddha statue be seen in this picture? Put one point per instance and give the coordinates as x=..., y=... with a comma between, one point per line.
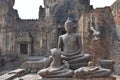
x=55, y=68
x=92, y=71
x=71, y=47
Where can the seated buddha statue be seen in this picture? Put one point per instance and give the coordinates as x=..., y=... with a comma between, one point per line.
x=71, y=47
x=92, y=71
x=55, y=68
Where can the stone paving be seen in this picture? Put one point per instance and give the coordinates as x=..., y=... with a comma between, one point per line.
x=35, y=76
x=13, y=74
x=9, y=66
x=29, y=77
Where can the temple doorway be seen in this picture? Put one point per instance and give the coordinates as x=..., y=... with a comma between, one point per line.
x=24, y=48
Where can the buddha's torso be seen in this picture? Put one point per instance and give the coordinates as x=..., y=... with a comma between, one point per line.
x=70, y=43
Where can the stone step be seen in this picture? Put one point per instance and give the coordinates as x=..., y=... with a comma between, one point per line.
x=12, y=74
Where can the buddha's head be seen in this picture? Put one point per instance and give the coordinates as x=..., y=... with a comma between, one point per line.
x=68, y=26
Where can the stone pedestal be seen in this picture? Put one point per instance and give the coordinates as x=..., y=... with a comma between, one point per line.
x=79, y=78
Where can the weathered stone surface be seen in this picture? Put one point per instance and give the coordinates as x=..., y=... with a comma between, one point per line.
x=34, y=63
x=99, y=19
x=34, y=35
x=100, y=50
x=7, y=76
x=55, y=69
x=115, y=55
x=78, y=79
x=116, y=15
x=29, y=77
x=115, y=52
x=20, y=37
x=11, y=75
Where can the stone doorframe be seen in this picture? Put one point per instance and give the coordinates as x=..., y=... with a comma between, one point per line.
x=24, y=37
x=29, y=49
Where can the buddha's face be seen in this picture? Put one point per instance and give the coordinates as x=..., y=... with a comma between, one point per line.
x=69, y=27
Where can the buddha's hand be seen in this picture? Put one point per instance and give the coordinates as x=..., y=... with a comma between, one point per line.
x=64, y=57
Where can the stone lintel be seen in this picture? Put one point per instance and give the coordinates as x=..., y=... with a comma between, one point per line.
x=111, y=78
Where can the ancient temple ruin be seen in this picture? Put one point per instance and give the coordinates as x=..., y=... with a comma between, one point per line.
x=21, y=38
x=35, y=37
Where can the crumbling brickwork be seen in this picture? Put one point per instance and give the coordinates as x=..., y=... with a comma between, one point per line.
x=115, y=52
x=102, y=21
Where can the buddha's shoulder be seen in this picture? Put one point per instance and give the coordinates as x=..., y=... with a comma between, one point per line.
x=61, y=36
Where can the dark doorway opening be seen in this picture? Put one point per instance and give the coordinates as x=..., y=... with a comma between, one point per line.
x=61, y=31
x=23, y=48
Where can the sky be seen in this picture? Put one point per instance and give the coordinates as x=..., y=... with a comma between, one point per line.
x=28, y=9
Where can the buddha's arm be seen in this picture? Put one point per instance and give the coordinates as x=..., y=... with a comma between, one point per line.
x=60, y=43
x=79, y=44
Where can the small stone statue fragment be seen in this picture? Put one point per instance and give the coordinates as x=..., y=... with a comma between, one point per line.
x=56, y=69
x=92, y=71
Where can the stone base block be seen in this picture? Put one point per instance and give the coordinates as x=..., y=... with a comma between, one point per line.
x=33, y=65
x=79, y=78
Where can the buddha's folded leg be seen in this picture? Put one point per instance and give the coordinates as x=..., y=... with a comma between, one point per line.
x=43, y=72
x=79, y=72
x=56, y=72
x=77, y=59
x=63, y=73
x=102, y=73
x=79, y=55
